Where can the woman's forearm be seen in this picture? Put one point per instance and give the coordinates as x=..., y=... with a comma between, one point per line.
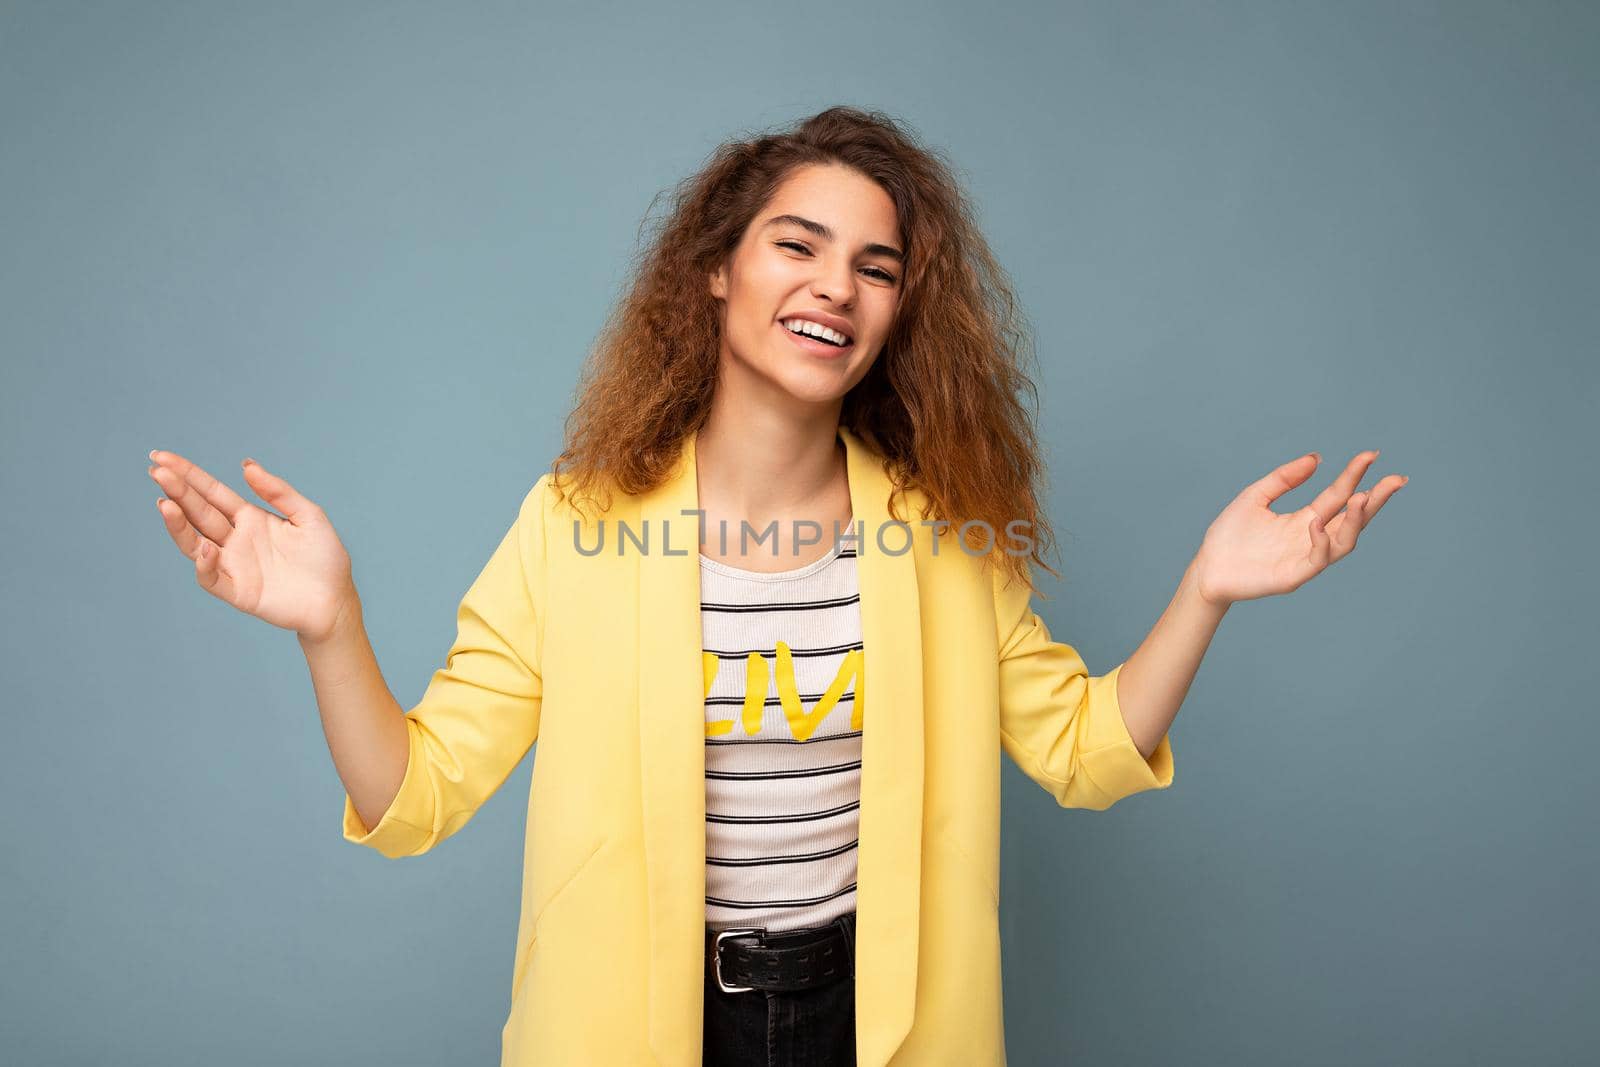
x=363, y=723
x=1154, y=680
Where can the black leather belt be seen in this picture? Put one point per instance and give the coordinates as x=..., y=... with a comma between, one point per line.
x=746, y=959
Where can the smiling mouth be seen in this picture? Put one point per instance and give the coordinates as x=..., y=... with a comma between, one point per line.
x=816, y=345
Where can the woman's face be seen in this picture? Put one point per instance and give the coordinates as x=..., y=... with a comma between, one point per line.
x=786, y=268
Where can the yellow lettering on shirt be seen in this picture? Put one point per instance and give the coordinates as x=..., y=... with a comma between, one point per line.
x=802, y=724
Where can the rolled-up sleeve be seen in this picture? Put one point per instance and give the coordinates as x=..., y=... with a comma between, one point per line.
x=1061, y=725
x=480, y=712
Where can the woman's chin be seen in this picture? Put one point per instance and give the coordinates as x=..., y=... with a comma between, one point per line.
x=805, y=381
x=813, y=385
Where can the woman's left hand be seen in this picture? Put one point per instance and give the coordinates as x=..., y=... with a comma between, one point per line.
x=1251, y=551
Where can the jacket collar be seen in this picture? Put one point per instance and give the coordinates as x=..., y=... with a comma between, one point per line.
x=672, y=760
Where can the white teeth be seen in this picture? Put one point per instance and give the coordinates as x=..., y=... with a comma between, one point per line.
x=806, y=326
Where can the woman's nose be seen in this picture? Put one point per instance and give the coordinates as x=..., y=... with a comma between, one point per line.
x=836, y=283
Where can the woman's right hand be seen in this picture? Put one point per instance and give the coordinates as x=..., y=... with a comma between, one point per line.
x=291, y=570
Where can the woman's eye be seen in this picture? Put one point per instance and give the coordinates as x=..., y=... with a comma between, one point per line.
x=798, y=247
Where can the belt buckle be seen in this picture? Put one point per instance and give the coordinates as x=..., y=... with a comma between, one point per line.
x=716, y=957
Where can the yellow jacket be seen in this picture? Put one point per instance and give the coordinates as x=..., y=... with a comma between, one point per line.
x=598, y=658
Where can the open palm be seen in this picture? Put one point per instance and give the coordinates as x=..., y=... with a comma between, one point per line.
x=290, y=570
x=1251, y=551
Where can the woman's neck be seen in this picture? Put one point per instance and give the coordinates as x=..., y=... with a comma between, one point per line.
x=762, y=472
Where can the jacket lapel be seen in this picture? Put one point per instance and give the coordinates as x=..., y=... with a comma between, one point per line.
x=672, y=760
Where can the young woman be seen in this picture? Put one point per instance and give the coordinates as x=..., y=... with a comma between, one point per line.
x=815, y=378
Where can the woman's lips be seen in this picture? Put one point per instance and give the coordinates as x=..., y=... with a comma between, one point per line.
x=816, y=347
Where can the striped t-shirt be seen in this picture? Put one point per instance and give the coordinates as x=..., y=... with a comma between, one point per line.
x=782, y=655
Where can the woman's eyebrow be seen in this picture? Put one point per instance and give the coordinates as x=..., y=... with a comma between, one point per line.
x=827, y=234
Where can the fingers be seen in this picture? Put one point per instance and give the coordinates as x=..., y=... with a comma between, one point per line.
x=214, y=492
x=183, y=535
x=1387, y=487
x=279, y=493
x=205, y=502
x=1331, y=499
x=1281, y=480
x=1346, y=526
x=206, y=555
x=208, y=572
x=1321, y=546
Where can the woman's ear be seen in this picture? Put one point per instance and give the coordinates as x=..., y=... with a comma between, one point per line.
x=719, y=283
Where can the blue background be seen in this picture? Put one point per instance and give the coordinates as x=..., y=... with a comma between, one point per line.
x=369, y=244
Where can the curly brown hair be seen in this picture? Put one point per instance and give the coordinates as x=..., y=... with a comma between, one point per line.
x=942, y=400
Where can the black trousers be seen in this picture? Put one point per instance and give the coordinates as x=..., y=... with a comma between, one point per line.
x=762, y=1028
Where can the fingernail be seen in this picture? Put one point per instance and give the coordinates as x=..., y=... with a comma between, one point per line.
x=152, y=453
x=247, y=462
